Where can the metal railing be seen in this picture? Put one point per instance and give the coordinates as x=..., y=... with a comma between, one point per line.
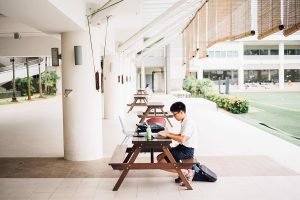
x=21, y=65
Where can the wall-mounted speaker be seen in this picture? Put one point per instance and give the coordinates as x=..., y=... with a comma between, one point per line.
x=78, y=55
x=55, y=56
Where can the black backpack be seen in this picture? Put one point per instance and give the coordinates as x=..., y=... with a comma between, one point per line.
x=155, y=127
x=202, y=173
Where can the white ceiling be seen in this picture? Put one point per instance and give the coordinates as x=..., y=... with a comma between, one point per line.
x=44, y=17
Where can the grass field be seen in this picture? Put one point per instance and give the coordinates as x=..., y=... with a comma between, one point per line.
x=276, y=112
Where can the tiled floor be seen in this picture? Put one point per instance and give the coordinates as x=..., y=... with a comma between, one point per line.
x=250, y=163
x=231, y=188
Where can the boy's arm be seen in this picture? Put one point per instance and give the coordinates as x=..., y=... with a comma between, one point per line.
x=177, y=137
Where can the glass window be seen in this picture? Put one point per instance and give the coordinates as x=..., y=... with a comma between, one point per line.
x=229, y=53
x=263, y=52
x=217, y=53
x=290, y=52
x=235, y=54
x=254, y=52
x=274, y=52
x=247, y=52
x=292, y=75
x=211, y=54
x=223, y=53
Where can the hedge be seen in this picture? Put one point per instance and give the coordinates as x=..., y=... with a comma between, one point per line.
x=204, y=88
x=230, y=103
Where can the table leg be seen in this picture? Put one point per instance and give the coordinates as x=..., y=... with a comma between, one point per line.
x=132, y=105
x=177, y=168
x=125, y=171
x=152, y=155
x=129, y=154
x=145, y=115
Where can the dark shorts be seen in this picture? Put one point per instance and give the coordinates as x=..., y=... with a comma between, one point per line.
x=181, y=152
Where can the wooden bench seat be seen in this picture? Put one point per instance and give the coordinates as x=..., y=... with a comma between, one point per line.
x=117, y=159
x=137, y=104
x=188, y=163
x=140, y=114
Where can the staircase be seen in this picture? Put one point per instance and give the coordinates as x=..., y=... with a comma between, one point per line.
x=6, y=72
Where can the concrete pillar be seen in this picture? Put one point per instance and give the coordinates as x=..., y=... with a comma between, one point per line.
x=112, y=87
x=241, y=67
x=143, y=76
x=269, y=75
x=82, y=107
x=281, y=66
x=168, y=70
x=200, y=73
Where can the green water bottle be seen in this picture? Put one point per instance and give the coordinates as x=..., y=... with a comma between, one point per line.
x=149, y=133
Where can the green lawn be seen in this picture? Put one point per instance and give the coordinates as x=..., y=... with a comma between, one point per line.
x=278, y=111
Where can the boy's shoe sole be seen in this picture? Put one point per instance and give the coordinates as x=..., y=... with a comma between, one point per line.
x=178, y=180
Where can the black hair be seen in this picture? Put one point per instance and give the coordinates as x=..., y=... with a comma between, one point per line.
x=177, y=107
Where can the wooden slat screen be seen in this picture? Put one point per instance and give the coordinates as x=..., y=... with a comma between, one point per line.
x=212, y=23
x=241, y=19
x=184, y=47
x=202, y=32
x=268, y=17
x=190, y=41
x=195, y=34
x=223, y=17
x=291, y=16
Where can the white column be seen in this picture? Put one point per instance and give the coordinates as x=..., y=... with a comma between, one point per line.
x=143, y=76
x=241, y=67
x=281, y=66
x=269, y=75
x=112, y=88
x=168, y=69
x=200, y=73
x=82, y=121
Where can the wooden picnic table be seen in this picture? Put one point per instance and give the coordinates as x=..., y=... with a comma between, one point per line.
x=141, y=144
x=139, y=100
x=140, y=91
x=155, y=109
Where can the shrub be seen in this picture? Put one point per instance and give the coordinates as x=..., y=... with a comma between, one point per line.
x=189, y=84
x=49, y=79
x=204, y=88
x=21, y=85
x=232, y=104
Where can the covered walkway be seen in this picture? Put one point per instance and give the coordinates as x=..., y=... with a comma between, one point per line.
x=250, y=163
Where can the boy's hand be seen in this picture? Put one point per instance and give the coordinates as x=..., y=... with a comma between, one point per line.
x=163, y=133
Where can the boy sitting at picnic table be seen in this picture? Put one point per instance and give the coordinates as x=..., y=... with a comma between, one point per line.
x=187, y=139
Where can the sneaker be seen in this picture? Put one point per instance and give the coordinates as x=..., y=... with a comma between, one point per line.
x=189, y=176
x=178, y=180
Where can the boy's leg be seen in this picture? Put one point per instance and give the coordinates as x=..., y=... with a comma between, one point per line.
x=161, y=159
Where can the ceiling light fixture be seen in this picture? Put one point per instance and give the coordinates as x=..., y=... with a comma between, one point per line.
x=17, y=35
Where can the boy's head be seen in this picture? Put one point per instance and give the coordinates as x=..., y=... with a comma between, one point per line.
x=178, y=109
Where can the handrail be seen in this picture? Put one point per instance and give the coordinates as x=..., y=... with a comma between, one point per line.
x=20, y=65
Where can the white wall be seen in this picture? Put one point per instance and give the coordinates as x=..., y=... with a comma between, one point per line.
x=38, y=46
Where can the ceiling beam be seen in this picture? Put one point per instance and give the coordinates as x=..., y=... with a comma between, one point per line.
x=159, y=44
x=181, y=23
x=175, y=9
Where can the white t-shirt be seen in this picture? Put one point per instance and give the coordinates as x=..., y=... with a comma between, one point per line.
x=189, y=130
